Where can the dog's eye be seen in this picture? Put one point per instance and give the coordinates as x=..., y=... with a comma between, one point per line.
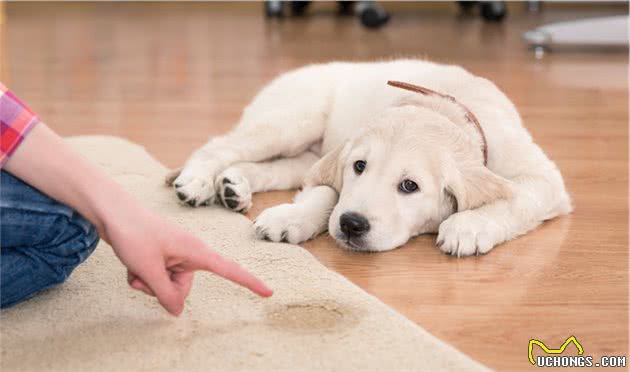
x=408, y=186
x=359, y=166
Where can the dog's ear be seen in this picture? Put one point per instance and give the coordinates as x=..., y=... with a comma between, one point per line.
x=329, y=169
x=474, y=186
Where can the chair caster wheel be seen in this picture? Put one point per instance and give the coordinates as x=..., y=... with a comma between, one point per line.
x=493, y=11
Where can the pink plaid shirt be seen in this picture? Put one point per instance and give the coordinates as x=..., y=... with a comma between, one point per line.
x=16, y=119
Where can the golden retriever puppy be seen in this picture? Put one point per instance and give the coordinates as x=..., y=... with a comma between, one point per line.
x=439, y=151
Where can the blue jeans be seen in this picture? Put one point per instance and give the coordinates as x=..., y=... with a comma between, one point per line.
x=41, y=241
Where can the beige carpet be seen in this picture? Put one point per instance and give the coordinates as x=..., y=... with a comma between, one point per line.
x=316, y=320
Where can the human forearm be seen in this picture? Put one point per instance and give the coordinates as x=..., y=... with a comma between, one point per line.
x=47, y=163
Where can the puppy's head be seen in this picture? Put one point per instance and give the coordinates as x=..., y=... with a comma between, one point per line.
x=402, y=177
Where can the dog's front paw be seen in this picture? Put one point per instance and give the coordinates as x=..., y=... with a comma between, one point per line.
x=466, y=233
x=285, y=223
x=233, y=190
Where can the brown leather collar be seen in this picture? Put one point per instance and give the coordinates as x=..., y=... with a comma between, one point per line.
x=470, y=117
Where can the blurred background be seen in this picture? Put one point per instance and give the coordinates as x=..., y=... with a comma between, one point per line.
x=168, y=75
x=131, y=68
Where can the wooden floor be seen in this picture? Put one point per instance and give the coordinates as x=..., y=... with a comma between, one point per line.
x=170, y=75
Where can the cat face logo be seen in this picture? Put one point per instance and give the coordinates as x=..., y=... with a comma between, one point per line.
x=560, y=350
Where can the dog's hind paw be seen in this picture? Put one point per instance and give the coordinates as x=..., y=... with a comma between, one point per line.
x=233, y=190
x=194, y=192
x=194, y=185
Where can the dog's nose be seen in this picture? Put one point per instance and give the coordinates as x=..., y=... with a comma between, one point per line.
x=353, y=224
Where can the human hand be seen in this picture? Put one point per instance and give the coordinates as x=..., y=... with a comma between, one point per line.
x=161, y=258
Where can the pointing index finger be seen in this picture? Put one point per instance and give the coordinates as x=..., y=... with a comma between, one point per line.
x=230, y=270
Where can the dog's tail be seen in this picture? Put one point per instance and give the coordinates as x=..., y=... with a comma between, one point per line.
x=171, y=176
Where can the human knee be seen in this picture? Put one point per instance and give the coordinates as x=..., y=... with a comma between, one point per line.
x=71, y=244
